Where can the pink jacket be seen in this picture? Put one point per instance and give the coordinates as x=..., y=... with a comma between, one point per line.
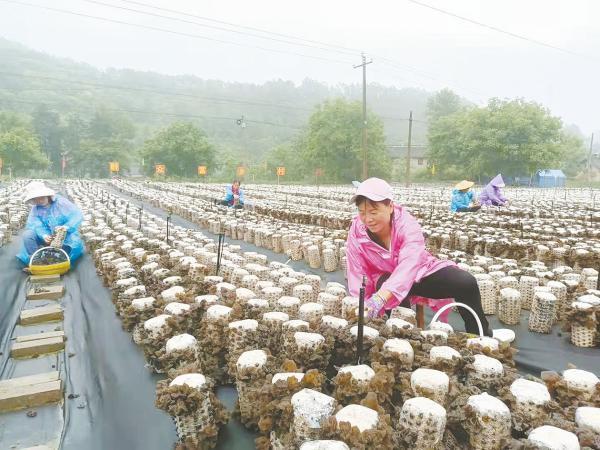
x=407, y=261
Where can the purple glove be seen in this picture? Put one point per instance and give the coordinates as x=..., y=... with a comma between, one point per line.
x=374, y=305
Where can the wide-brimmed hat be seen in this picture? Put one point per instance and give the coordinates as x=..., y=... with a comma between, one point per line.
x=374, y=189
x=464, y=184
x=37, y=189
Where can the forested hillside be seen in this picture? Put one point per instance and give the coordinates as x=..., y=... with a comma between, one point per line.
x=273, y=112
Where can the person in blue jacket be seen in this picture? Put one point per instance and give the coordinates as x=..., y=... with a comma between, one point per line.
x=49, y=212
x=463, y=199
x=234, y=197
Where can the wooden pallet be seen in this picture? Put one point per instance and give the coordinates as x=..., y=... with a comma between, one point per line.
x=30, y=391
x=46, y=292
x=51, y=313
x=34, y=347
x=46, y=335
x=44, y=279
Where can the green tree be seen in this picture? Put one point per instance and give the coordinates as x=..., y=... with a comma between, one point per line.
x=288, y=157
x=20, y=150
x=47, y=126
x=72, y=133
x=106, y=124
x=333, y=142
x=512, y=137
x=443, y=103
x=10, y=120
x=182, y=147
x=576, y=155
x=93, y=157
x=225, y=166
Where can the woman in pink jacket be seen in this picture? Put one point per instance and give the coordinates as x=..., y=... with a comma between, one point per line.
x=385, y=243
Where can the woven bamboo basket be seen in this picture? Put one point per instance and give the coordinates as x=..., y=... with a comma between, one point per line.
x=489, y=428
x=583, y=336
x=542, y=312
x=487, y=288
x=424, y=422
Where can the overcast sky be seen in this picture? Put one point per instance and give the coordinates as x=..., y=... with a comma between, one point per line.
x=410, y=45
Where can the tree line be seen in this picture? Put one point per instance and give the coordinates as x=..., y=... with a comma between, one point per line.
x=57, y=110
x=514, y=137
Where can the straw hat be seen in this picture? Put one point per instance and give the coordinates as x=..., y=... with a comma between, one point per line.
x=464, y=184
x=37, y=189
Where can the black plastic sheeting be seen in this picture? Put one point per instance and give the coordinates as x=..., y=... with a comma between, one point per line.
x=114, y=393
x=537, y=352
x=337, y=276
x=16, y=429
x=113, y=404
x=114, y=407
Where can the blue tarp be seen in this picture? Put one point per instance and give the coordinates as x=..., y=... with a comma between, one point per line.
x=551, y=178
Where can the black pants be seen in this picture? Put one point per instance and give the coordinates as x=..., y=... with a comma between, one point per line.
x=450, y=282
x=226, y=203
x=469, y=209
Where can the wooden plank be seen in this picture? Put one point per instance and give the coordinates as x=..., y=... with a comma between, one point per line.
x=50, y=313
x=30, y=396
x=40, y=378
x=43, y=292
x=35, y=337
x=421, y=316
x=39, y=347
x=44, y=279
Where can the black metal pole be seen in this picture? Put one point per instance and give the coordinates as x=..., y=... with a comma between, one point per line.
x=220, y=250
x=126, y=212
x=140, y=224
x=168, y=221
x=521, y=226
x=361, y=320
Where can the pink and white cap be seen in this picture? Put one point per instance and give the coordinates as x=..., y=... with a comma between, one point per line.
x=374, y=189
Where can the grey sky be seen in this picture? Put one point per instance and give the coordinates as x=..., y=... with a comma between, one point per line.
x=410, y=45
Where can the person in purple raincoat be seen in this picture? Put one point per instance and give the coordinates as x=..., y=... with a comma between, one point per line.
x=385, y=243
x=492, y=193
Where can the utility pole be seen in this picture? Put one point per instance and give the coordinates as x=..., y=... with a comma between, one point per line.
x=408, y=150
x=589, y=164
x=364, y=111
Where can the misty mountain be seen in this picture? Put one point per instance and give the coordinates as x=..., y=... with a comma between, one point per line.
x=273, y=112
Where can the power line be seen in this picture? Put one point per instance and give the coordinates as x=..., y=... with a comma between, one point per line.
x=393, y=65
x=390, y=62
x=245, y=33
x=179, y=33
x=500, y=30
x=162, y=113
x=245, y=27
x=154, y=91
x=161, y=92
x=346, y=50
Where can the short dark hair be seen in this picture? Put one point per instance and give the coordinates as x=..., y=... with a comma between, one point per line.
x=360, y=199
x=237, y=181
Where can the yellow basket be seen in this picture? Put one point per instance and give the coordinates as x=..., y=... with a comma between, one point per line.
x=50, y=269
